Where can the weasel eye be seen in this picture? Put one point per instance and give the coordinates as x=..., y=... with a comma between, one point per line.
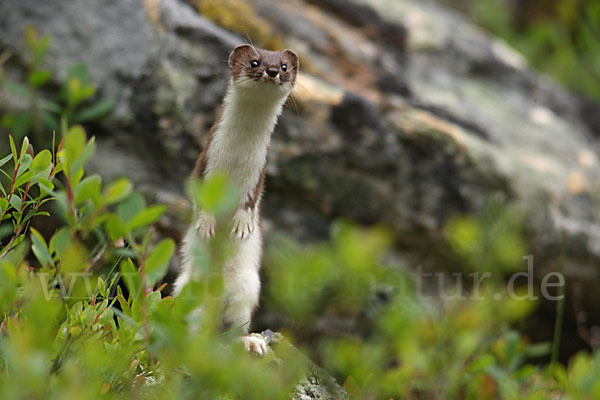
x=283, y=67
x=254, y=64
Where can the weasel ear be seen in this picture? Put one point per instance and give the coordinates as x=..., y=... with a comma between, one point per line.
x=292, y=57
x=239, y=53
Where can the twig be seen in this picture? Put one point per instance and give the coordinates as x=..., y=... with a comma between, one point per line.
x=96, y=258
x=12, y=240
x=58, y=360
x=12, y=188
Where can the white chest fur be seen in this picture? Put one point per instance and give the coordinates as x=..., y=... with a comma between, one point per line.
x=238, y=149
x=240, y=142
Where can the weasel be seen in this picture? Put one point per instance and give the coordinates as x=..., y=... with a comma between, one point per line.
x=259, y=85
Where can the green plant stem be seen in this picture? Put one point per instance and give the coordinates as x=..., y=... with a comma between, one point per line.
x=143, y=304
x=12, y=240
x=25, y=196
x=58, y=360
x=12, y=188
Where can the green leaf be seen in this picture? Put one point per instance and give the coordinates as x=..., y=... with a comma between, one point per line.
x=118, y=190
x=50, y=106
x=25, y=164
x=41, y=48
x=215, y=194
x=15, y=201
x=132, y=279
x=16, y=252
x=77, y=87
x=95, y=111
x=116, y=227
x=76, y=176
x=124, y=303
x=129, y=208
x=13, y=149
x=102, y=287
x=5, y=160
x=41, y=161
x=136, y=314
x=46, y=186
x=40, y=249
x=39, y=77
x=88, y=189
x=29, y=215
x=26, y=177
x=74, y=145
x=152, y=301
x=3, y=205
x=79, y=71
x=126, y=313
x=87, y=153
x=59, y=240
x=71, y=253
x=146, y=217
x=24, y=147
x=106, y=317
x=85, y=93
x=157, y=262
x=31, y=36
x=536, y=350
x=64, y=126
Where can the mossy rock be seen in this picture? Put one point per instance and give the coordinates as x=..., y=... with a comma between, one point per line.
x=240, y=17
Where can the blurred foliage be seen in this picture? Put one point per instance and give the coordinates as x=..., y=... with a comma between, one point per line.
x=69, y=330
x=36, y=106
x=561, y=37
x=82, y=315
x=492, y=241
x=240, y=17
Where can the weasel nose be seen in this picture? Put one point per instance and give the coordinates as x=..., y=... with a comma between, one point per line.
x=272, y=71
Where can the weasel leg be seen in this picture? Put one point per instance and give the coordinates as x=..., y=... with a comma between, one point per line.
x=205, y=225
x=243, y=223
x=255, y=344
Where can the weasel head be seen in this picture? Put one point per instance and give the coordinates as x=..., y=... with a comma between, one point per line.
x=263, y=70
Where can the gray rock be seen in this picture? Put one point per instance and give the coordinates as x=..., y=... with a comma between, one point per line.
x=406, y=132
x=318, y=384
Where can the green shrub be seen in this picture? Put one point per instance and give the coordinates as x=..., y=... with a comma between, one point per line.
x=62, y=332
x=561, y=37
x=82, y=314
x=42, y=103
x=69, y=331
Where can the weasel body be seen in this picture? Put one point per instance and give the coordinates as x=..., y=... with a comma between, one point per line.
x=260, y=83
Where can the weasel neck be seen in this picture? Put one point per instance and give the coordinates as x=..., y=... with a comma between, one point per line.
x=243, y=133
x=252, y=111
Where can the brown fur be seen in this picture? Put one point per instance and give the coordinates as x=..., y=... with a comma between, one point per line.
x=253, y=197
x=200, y=167
x=239, y=66
x=242, y=56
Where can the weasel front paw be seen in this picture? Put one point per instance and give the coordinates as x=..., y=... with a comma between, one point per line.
x=205, y=225
x=243, y=224
x=255, y=344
